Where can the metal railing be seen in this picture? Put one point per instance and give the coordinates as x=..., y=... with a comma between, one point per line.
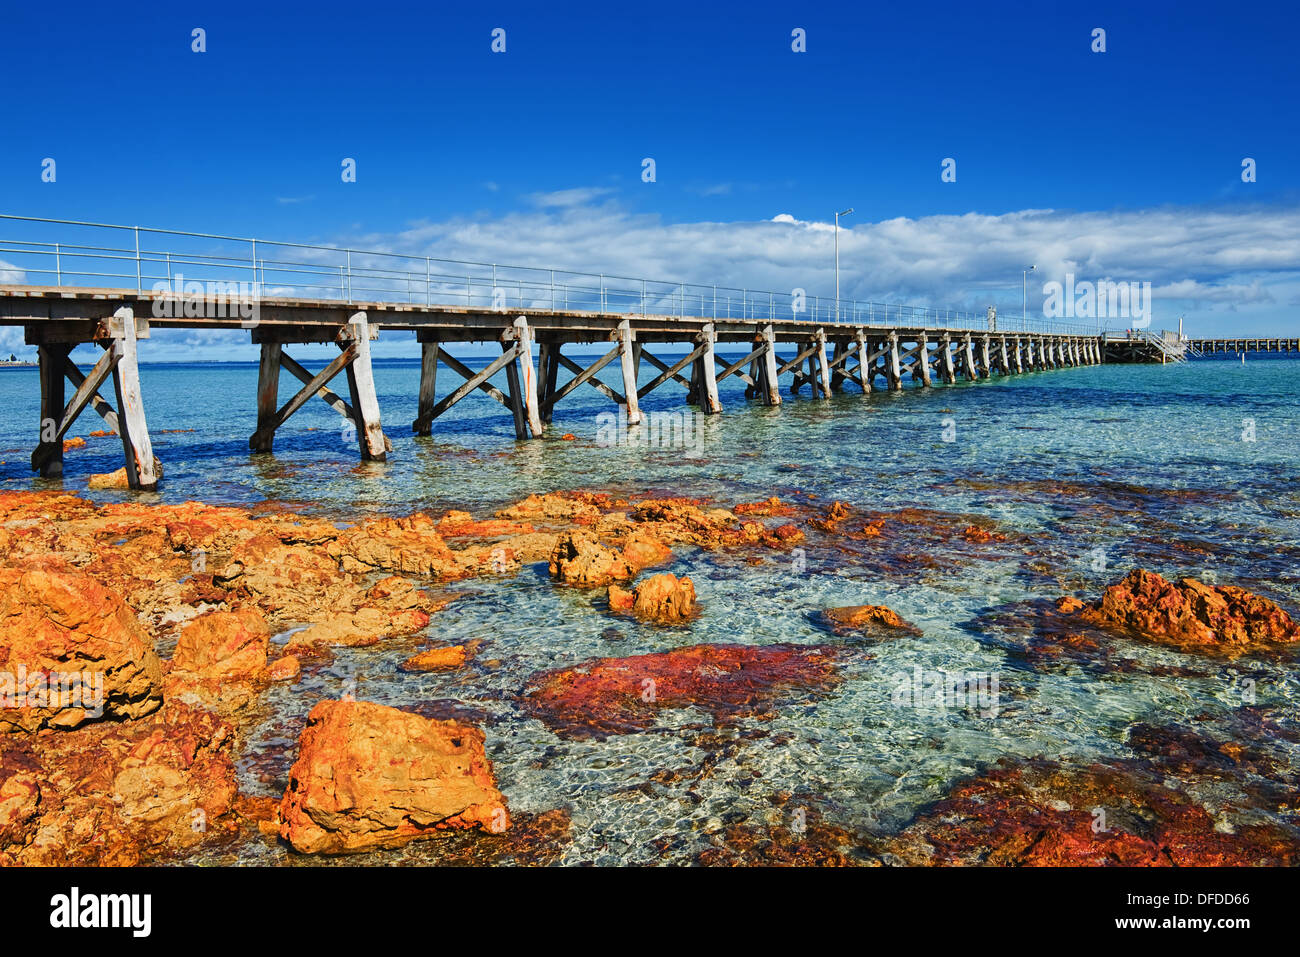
x=62, y=252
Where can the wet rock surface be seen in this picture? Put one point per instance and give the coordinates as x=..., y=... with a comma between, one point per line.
x=625, y=695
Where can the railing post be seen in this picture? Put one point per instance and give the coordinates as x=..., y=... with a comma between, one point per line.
x=552, y=290
x=58, y=267
x=428, y=295
x=349, y=276
x=169, y=278
x=139, y=287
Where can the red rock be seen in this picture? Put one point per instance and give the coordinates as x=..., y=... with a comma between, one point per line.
x=620, y=599
x=369, y=776
x=58, y=623
x=1041, y=813
x=1192, y=614
x=789, y=533
x=624, y=695
x=118, y=480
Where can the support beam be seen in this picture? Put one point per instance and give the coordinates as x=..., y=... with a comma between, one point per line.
x=262, y=439
x=947, y=369
x=136, y=444
x=968, y=359
x=923, y=357
x=268, y=396
x=528, y=376
x=823, y=371
x=770, y=387
x=864, y=363
x=97, y=401
x=628, y=365
x=423, y=424
x=365, y=402
x=48, y=457
x=54, y=446
x=893, y=370
x=473, y=380
x=587, y=376
x=670, y=372
x=709, y=402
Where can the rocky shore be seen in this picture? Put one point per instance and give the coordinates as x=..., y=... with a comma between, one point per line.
x=139, y=643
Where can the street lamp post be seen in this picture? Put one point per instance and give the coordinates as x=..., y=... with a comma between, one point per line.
x=1024, y=297
x=837, y=260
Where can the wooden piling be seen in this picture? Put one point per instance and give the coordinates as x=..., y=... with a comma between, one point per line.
x=627, y=363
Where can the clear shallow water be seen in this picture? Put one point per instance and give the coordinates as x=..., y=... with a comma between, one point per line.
x=1123, y=436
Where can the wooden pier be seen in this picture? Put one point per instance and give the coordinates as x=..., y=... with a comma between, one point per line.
x=823, y=357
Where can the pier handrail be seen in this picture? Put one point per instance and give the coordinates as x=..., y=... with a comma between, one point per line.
x=284, y=269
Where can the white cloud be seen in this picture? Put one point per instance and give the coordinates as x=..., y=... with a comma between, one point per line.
x=11, y=274
x=1209, y=260
x=579, y=196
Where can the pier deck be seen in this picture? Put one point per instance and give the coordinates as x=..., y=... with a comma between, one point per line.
x=826, y=358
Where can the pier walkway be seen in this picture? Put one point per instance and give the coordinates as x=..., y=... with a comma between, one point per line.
x=93, y=288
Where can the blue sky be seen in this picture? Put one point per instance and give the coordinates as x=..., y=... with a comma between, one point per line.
x=1123, y=165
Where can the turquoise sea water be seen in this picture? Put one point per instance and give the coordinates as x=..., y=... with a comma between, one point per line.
x=1156, y=473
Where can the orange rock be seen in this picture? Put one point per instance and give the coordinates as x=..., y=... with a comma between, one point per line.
x=568, y=436
x=76, y=646
x=664, y=598
x=578, y=559
x=771, y=507
x=1068, y=605
x=101, y=433
x=224, y=645
x=1191, y=613
x=370, y=776
x=284, y=669
x=869, y=617
x=620, y=599
x=437, y=659
x=116, y=792
x=118, y=481
x=642, y=550
x=77, y=442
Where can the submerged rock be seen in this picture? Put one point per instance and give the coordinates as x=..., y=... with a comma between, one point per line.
x=625, y=695
x=437, y=659
x=369, y=776
x=1043, y=813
